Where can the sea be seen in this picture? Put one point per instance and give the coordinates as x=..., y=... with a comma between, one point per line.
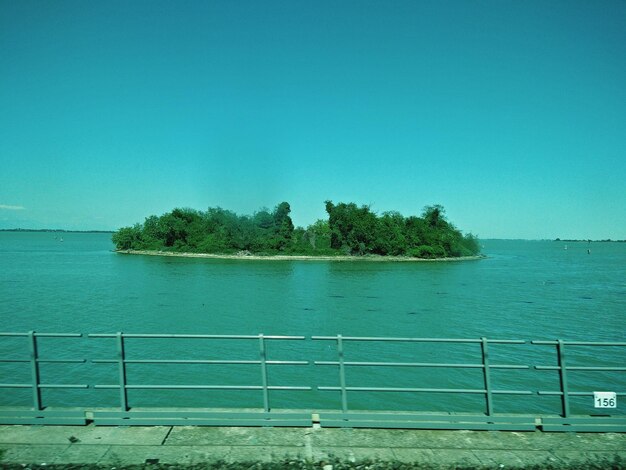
x=526, y=291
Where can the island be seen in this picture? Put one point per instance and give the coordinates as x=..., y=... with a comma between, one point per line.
x=349, y=232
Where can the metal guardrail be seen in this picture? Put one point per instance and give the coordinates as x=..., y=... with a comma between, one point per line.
x=38, y=413
x=566, y=421
x=490, y=421
x=266, y=417
x=486, y=418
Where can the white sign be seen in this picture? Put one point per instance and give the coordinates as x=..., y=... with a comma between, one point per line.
x=604, y=400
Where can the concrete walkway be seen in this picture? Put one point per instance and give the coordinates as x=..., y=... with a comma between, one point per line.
x=110, y=447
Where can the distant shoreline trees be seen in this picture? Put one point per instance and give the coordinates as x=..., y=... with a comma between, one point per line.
x=349, y=230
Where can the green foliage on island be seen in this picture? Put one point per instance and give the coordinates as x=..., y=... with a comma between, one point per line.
x=349, y=230
x=52, y=230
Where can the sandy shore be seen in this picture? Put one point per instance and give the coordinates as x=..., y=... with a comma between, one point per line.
x=376, y=258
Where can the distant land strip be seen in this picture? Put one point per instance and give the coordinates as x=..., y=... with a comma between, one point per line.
x=607, y=240
x=53, y=230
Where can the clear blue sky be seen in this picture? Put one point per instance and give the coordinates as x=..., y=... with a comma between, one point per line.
x=511, y=114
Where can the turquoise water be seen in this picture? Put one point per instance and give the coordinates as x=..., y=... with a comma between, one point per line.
x=529, y=290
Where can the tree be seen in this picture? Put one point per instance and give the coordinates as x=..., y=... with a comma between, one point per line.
x=352, y=227
x=283, y=226
x=127, y=238
x=434, y=215
x=390, y=237
x=176, y=226
x=319, y=235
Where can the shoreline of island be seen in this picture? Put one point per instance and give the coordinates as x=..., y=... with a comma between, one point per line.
x=252, y=257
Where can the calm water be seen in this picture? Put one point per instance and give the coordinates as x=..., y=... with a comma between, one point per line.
x=528, y=290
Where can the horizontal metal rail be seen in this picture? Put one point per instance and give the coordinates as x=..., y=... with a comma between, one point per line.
x=484, y=365
x=48, y=361
x=589, y=368
x=206, y=387
x=30, y=385
x=43, y=335
x=486, y=419
x=580, y=343
x=578, y=394
x=122, y=361
x=565, y=393
x=427, y=390
x=200, y=361
x=177, y=336
x=417, y=340
x=35, y=383
x=421, y=364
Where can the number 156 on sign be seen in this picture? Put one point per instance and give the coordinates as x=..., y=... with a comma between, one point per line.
x=604, y=400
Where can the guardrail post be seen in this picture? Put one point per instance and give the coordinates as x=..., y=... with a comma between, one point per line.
x=560, y=346
x=34, y=370
x=342, y=375
x=487, y=376
x=262, y=354
x=121, y=359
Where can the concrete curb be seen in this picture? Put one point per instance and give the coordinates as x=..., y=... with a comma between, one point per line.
x=329, y=449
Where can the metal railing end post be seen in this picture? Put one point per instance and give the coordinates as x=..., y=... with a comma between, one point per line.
x=121, y=358
x=34, y=370
x=263, y=360
x=486, y=375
